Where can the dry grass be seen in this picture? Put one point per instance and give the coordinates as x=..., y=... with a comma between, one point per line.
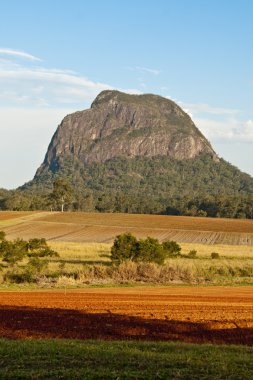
x=225, y=251
x=177, y=271
x=99, y=251
x=91, y=252
x=86, y=264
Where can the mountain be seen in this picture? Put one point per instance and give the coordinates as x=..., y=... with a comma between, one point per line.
x=123, y=125
x=141, y=153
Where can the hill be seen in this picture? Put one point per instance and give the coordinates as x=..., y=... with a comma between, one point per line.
x=137, y=154
x=123, y=125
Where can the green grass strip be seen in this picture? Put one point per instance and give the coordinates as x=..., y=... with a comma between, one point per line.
x=73, y=359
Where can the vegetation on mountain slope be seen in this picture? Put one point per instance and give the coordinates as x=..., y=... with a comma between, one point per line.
x=134, y=154
x=158, y=185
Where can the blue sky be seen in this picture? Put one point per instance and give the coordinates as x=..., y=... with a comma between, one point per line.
x=56, y=56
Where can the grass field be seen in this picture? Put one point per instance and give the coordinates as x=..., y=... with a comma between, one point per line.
x=97, y=227
x=89, y=360
x=82, y=264
x=96, y=252
x=235, y=266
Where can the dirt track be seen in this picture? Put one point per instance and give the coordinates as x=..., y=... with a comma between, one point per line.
x=190, y=314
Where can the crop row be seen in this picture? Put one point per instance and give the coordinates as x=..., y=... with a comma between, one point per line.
x=71, y=232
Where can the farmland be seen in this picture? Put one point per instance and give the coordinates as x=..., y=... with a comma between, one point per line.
x=83, y=241
x=121, y=332
x=189, y=314
x=102, y=228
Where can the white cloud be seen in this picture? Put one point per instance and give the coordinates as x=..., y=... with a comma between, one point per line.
x=226, y=130
x=38, y=86
x=145, y=70
x=206, y=108
x=32, y=85
x=25, y=135
x=219, y=124
x=18, y=54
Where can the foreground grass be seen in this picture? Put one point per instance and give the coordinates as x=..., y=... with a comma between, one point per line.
x=70, y=359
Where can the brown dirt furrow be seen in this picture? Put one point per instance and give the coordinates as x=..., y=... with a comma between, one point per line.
x=211, y=314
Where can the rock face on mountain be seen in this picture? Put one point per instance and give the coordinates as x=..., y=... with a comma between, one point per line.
x=138, y=154
x=123, y=125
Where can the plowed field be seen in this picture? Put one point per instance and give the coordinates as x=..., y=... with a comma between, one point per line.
x=96, y=227
x=189, y=314
x=6, y=215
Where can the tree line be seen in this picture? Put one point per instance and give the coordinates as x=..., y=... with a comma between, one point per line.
x=161, y=185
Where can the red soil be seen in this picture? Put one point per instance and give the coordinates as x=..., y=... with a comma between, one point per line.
x=190, y=314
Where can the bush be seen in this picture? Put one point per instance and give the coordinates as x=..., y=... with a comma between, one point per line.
x=215, y=255
x=172, y=248
x=124, y=248
x=127, y=247
x=149, y=272
x=125, y=272
x=150, y=250
x=19, y=277
x=2, y=235
x=13, y=251
x=18, y=252
x=192, y=254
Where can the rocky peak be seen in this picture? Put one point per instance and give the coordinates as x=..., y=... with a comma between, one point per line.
x=124, y=125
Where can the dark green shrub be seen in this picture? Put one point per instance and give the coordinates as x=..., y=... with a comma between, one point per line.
x=127, y=247
x=215, y=255
x=2, y=235
x=37, y=265
x=34, y=244
x=19, y=277
x=13, y=251
x=124, y=248
x=172, y=248
x=192, y=254
x=32, y=253
x=39, y=248
x=150, y=250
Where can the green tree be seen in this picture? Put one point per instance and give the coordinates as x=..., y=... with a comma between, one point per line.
x=26, y=259
x=127, y=247
x=13, y=252
x=124, y=248
x=150, y=250
x=38, y=248
x=61, y=195
x=171, y=248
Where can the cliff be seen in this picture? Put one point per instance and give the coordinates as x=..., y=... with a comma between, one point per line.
x=123, y=125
